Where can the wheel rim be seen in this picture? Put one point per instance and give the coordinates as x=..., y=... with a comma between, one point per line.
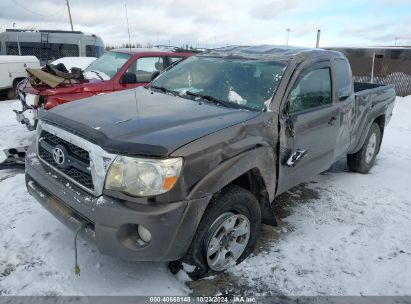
x=229, y=237
x=371, y=147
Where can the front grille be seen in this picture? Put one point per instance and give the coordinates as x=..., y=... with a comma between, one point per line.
x=79, y=173
x=55, y=140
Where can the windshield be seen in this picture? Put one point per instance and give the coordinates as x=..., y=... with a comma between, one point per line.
x=245, y=82
x=107, y=66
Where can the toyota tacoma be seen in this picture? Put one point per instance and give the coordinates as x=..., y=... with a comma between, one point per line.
x=187, y=167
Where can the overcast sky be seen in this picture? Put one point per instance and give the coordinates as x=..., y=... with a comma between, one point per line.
x=209, y=23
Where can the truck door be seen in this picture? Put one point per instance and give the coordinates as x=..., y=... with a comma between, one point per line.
x=308, y=125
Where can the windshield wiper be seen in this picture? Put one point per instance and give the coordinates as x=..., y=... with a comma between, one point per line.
x=217, y=101
x=97, y=73
x=163, y=89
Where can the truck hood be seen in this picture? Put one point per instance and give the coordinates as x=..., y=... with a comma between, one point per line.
x=44, y=90
x=143, y=122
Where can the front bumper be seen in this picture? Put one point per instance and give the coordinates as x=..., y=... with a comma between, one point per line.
x=111, y=224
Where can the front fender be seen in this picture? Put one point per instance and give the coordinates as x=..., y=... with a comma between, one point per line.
x=261, y=158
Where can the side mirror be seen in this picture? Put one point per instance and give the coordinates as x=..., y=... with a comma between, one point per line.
x=342, y=98
x=128, y=78
x=344, y=93
x=154, y=75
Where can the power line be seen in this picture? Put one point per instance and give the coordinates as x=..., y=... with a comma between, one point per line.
x=33, y=12
x=29, y=10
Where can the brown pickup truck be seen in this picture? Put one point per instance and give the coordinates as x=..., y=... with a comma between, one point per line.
x=187, y=167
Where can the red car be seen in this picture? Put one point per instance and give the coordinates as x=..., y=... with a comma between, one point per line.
x=116, y=70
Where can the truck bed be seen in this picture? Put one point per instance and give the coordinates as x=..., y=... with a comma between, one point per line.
x=361, y=87
x=371, y=100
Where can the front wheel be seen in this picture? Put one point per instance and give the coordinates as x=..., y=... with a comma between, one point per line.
x=227, y=233
x=363, y=160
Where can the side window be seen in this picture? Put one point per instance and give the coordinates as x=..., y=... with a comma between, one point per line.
x=313, y=90
x=343, y=76
x=144, y=67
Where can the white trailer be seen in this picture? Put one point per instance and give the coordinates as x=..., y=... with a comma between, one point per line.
x=13, y=70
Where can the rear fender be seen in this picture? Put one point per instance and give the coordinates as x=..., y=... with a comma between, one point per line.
x=364, y=132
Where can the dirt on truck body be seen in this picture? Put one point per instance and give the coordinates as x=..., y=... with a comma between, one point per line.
x=186, y=168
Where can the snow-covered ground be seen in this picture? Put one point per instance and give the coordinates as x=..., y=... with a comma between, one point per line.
x=12, y=134
x=340, y=234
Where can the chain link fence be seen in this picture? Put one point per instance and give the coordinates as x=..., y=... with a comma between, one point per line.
x=381, y=65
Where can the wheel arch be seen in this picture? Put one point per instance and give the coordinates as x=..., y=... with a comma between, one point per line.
x=16, y=81
x=380, y=120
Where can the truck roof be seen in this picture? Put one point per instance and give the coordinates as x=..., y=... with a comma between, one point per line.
x=151, y=50
x=17, y=59
x=272, y=52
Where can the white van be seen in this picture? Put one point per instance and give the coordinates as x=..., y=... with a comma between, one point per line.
x=13, y=70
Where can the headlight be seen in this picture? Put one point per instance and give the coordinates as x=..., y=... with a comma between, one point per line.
x=143, y=176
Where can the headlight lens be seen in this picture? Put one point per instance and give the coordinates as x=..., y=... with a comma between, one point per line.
x=143, y=176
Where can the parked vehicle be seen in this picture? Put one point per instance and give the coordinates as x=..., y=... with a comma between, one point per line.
x=13, y=70
x=187, y=168
x=49, y=45
x=114, y=71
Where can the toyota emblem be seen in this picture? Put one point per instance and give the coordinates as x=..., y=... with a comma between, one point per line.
x=58, y=156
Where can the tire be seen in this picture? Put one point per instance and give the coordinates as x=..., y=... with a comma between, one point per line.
x=11, y=94
x=233, y=205
x=363, y=160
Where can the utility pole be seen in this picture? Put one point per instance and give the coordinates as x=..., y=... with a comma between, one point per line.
x=395, y=41
x=69, y=13
x=372, y=67
x=128, y=27
x=288, y=35
x=317, y=45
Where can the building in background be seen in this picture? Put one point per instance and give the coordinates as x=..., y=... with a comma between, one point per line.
x=385, y=65
x=49, y=45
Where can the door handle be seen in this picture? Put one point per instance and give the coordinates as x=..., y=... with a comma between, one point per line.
x=296, y=157
x=332, y=120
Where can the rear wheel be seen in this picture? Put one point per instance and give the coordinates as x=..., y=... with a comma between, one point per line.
x=227, y=233
x=12, y=93
x=363, y=160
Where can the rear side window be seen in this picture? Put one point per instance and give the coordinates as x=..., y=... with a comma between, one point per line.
x=312, y=91
x=343, y=76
